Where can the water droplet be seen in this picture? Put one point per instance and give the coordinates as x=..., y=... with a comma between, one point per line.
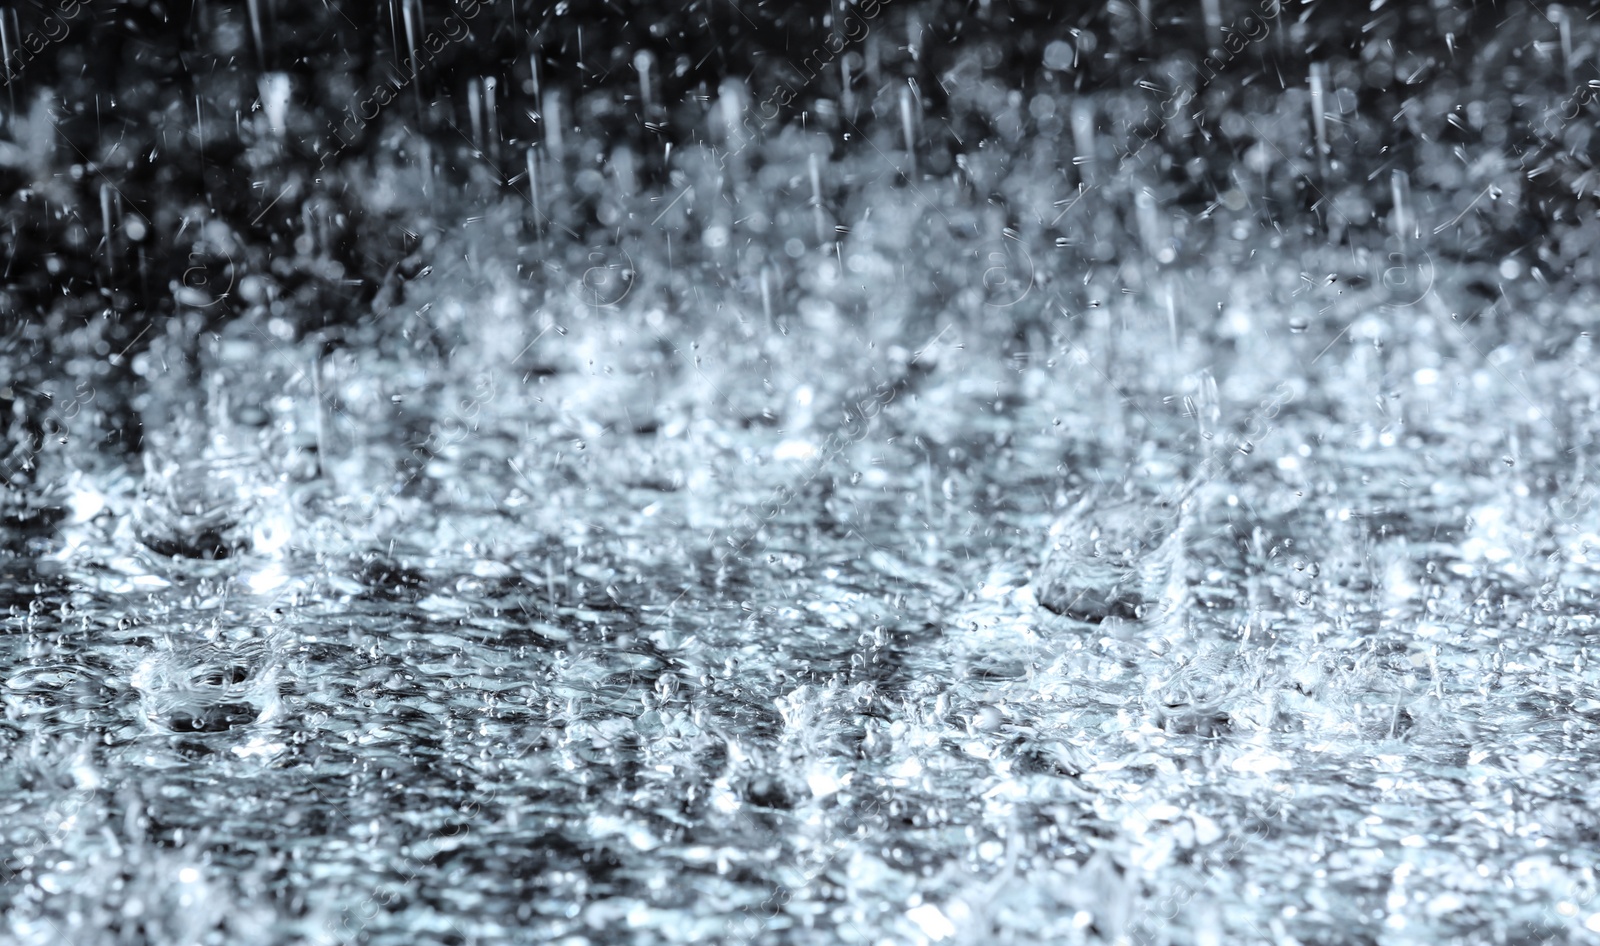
x=1298, y=324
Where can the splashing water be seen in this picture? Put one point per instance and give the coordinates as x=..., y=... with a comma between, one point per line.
x=1102, y=476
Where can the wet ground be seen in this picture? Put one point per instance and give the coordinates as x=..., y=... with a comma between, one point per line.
x=941, y=506
x=596, y=631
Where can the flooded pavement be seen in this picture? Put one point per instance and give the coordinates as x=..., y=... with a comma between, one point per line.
x=541, y=675
x=1042, y=479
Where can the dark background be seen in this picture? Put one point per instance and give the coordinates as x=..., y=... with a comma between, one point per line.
x=147, y=117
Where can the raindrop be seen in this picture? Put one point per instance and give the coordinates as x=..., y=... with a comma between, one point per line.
x=1403, y=225
x=1212, y=12
x=643, y=62
x=908, y=124
x=814, y=169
